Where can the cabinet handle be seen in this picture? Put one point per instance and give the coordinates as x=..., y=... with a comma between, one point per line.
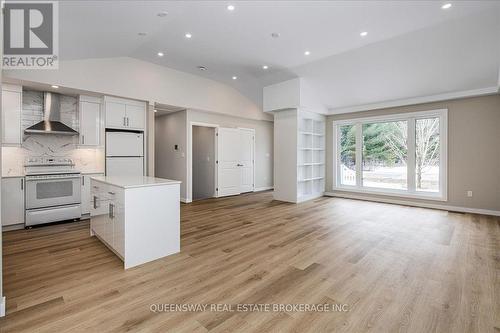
x=22, y=184
x=239, y=164
x=83, y=139
x=83, y=180
x=95, y=202
x=124, y=122
x=111, y=210
x=128, y=122
x=112, y=193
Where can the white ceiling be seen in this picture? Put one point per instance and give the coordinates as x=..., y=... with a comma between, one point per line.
x=413, y=48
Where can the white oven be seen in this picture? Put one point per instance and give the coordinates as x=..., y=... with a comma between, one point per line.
x=52, y=190
x=53, y=197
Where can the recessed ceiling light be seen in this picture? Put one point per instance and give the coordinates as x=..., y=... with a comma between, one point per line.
x=363, y=34
x=230, y=8
x=142, y=34
x=307, y=53
x=188, y=35
x=235, y=77
x=275, y=34
x=160, y=54
x=162, y=14
x=265, y=67
x=446, y=6
x=54, y=86
x=202, y=68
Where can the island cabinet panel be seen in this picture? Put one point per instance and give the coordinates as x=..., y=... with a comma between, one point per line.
x=117, y=216
x=139, y=223
x=152, y=222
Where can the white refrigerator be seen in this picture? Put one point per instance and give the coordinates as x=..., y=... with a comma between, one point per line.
x=125, y=154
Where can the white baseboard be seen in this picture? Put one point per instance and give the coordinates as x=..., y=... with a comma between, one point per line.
x=309, y=197
x=2, y=307
x=185, y=200
x=265, y=188
x=13, y=227
x=415, y=204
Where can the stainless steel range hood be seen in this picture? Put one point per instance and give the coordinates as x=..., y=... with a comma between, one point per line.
x=51, y=123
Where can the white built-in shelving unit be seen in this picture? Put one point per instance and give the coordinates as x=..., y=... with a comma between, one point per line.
x=299, y=140
x=310, y=155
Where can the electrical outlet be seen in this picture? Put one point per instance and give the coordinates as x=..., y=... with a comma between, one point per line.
x=469, y=194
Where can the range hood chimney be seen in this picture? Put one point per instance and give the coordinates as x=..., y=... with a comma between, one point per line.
x=51, y=123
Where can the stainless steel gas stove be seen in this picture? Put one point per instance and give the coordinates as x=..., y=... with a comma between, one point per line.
x=53, y=191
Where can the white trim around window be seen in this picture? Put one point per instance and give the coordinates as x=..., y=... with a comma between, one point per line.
x=411, y=191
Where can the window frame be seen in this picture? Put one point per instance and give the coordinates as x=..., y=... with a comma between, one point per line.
x=411, y=191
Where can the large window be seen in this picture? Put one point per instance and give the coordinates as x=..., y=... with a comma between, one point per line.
x=348, y=155
x=385, y=152
x=403, y=154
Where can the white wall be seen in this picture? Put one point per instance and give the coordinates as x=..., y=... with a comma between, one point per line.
x=263, y=142
x=150, y=141
x=203, y=162
x=2, y=304
x=285, y=161
x=176, y=128
x=137, y=79
x=170, y=130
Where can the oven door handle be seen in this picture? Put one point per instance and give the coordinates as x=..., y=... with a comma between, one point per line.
x=43, y=179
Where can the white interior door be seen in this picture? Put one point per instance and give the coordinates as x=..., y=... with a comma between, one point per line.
x=247, y=159
x=228, y=170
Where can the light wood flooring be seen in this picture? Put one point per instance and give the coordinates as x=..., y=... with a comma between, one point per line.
x=398, y=269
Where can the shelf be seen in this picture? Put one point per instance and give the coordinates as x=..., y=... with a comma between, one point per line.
x=312, y=163
x=318, y=149
x=311, y=133
x=309, y=179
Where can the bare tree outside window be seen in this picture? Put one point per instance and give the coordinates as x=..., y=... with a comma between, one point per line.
x=427, y=154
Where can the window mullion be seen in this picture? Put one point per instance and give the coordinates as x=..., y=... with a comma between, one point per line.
x=359, y=154
x=411, y=158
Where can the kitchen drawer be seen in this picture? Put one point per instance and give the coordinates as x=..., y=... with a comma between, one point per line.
x=46, y=215
x=98, y=188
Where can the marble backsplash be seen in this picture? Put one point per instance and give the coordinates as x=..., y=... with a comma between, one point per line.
x=85, y=159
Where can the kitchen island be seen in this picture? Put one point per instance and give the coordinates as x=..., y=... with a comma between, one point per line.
x=138, y=218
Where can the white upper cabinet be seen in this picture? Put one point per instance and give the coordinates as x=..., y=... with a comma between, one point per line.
x=115, y=115
x=135, y=116
x=90, y=121
x=125, y=114
x=11, y=114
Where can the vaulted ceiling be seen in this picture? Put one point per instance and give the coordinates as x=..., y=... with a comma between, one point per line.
x=412, y=49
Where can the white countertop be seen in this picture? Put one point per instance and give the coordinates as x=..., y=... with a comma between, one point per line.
x=13, y=176
x=131, y=182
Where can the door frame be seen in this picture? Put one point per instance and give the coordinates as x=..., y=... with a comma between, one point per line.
x=253, y=152
x=189, y=159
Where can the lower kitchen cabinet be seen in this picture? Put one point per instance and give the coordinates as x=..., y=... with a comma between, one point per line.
x=137, y=218
x=86, y=197
x=108, y=218
x=12, y=201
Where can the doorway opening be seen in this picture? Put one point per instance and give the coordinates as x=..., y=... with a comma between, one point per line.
x=204, y=162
